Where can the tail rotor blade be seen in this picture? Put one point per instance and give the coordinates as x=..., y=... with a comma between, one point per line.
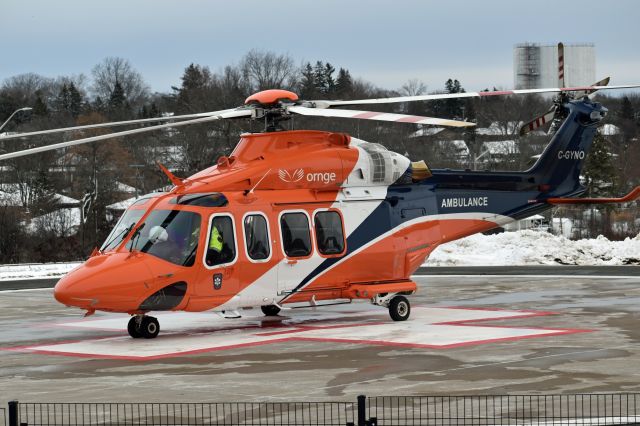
x=378, y=116
x=560, y=65
x=538, y=122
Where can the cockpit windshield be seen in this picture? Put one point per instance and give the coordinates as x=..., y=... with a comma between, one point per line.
x=121, y=230
x=171, y=235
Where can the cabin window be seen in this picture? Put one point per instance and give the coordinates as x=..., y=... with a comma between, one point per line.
x=296, y=235
x=256, y=235
x=171, y=235
x=221, y=243
x=329, y=234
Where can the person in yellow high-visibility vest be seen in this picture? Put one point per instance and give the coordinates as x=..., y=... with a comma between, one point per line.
x=215, y=242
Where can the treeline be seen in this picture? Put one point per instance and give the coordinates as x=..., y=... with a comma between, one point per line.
x=115, y=91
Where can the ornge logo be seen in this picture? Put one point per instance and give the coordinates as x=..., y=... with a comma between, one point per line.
x=295, y=176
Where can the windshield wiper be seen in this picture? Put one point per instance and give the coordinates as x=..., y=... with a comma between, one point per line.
x=135, y=237
x=121, y=234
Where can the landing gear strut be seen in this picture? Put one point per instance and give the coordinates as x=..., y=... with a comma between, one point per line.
x=143, y=326
x=398, y=305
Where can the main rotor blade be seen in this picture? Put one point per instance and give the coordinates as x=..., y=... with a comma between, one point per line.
x=112, y=124
x=219, y=116
x=329, y=104
x=581, y=93
x=379, y=116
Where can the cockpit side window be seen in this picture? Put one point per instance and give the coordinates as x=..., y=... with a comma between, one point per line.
x=221, y=243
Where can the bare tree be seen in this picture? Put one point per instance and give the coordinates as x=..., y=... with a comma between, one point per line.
x=268, y=70
x=413, y=87
x=23, y=88
x=112, y=70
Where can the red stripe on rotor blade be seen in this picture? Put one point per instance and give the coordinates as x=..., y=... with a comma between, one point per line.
x=367, y=114
x=410, y=119
x=573, y=89
x=498, y=93
x=530, y=126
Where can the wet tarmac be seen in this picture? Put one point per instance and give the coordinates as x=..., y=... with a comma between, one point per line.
x=467, y=335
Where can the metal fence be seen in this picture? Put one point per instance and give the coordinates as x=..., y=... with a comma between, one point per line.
x=588, y=409
x=534, y=410
x=237, y=413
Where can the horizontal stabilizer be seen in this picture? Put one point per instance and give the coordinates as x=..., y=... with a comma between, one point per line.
x=631, y=196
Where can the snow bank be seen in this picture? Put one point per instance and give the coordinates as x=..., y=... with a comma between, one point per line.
x=509, y=248
x=35, y=270
x=535, y=248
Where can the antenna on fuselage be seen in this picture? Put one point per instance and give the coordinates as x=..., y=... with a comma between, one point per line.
x=256, y=185
x=173, y=178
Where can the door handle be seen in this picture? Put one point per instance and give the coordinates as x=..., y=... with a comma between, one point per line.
x=292, y=262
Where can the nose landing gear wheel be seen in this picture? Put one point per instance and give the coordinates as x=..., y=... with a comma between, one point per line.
x=147, y=327
x=270, y=310
x=134, y=328
x=399, y=308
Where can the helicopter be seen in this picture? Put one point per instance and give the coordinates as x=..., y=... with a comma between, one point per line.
x=301, y=218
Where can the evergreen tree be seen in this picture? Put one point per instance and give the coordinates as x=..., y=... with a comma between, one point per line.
x=319, y=77
x=98, y=105
x=449, y=108
x=329, y=82
x=40, y=107
x=599, y=171
x=74, y=100
x=344, y=84
x=117, y=98
x=308, y=82
x=62, y=99
x=192, y=93
x=626, y=109
x=469, y=134
x=453, y=107
x=118, y=107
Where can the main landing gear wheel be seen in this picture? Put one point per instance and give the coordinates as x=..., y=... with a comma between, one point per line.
x=147, y=327
x=270, y=310
x=134, y=328
x=399, y=308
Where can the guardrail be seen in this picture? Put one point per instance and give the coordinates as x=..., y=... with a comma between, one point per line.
x=535, y=410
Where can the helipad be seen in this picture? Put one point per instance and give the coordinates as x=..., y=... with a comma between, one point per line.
x=189, y=333
x=466, y=335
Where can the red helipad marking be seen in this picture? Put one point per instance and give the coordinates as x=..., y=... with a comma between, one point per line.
x=188, y=333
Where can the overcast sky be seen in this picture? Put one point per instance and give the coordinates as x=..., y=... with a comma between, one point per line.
x=385, y=42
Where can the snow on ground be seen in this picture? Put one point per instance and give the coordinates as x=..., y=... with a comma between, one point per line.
x=35, y=270
x=509, y=248
x=535, y=248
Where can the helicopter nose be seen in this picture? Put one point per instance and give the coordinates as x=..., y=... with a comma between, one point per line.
x=105, y=282
x=68, y=292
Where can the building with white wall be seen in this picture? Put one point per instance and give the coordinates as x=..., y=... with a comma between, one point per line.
x=536, y=65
